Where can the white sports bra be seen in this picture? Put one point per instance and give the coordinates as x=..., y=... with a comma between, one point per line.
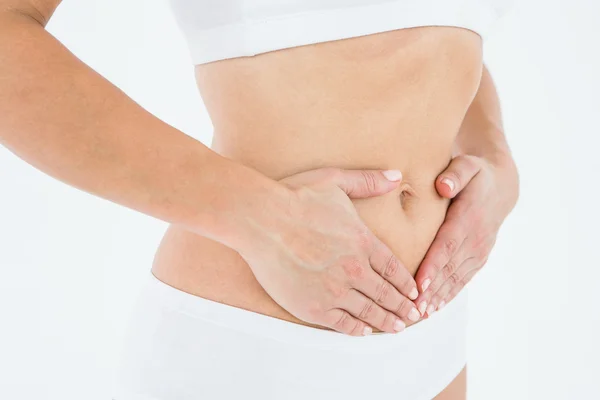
x=221, y=29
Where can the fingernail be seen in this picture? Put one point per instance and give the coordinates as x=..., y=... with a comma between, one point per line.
x=399, y=325
x=392, y=175
x=367, y=331
x=414, y=293
x=422, y=307
x=414, y=315
x=426, y=284
x=430, y=309
x=442, y=304
x=449, y=183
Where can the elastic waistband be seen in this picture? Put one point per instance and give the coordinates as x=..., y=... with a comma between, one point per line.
x=453, y=318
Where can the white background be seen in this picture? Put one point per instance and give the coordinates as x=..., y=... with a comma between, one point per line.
x=70, y=264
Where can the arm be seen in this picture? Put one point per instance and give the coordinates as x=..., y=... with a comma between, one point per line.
x=62, y=117
x=68, y=121
x=483, y=182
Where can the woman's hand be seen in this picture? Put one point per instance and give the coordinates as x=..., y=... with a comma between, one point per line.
x=483, y=193
x=323, y=265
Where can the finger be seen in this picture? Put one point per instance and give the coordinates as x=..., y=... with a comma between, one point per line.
x=457, y=288
x=383, y=293
x=453, y=280
x=458, y=174
x=365, y=309
x=359, y=184
x=387, y=265
x=448, y=240
x=443, y=275
x=343, y=322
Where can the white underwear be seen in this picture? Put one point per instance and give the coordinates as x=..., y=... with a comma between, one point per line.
x=183, y=347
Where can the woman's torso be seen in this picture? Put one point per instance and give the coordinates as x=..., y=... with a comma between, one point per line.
x=388, y=100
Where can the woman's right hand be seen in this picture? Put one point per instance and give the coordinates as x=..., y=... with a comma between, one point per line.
x=323, y=265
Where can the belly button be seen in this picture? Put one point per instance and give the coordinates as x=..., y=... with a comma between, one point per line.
x=407, y=193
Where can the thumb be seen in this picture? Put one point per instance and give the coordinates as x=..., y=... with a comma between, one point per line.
x=360, y=184
x=458, y=174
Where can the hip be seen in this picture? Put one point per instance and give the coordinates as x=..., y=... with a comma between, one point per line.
x=186, y=347
x=204, y=268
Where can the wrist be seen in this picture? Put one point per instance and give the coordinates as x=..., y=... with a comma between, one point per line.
x=495, y=153
x=243, y=203
x=507, y=175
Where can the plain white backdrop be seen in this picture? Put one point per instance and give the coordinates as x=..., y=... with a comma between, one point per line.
x=71, y=264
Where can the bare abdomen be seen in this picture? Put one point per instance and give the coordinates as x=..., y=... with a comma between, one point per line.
x=391, y=100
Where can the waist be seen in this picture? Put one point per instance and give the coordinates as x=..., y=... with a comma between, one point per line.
x=389, y=101
x=406, y=223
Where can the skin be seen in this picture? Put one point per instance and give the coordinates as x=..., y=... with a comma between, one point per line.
x=95, y=138
x=483, y=182
x=299, y=233
x=457, y=389
x=251, y=118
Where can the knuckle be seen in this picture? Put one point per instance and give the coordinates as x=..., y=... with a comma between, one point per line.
x=314, y=309
x=388, y=320
x=483, y=260
x=383, y=291
x=450, y=246
x=363, y=239
x=336, y=290
x=342, y=321
x=456, y=176
x=370, y=180
x=407, y=282
x=367, y=310
x=401, y=306
x=486, y=249
x=436, y=267
x=465, y=280
x=480, y=249
x=391, y=267
x=481, y=254
x=454, y=279
x=471, y=161
x=449, y=269
x=357, y=328
x=459, y=286
x=353, y=268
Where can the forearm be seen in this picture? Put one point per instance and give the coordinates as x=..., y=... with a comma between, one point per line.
x=62, y=117
x=482, y=131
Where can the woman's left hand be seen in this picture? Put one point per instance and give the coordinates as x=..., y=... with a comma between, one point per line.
x=483, y=193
